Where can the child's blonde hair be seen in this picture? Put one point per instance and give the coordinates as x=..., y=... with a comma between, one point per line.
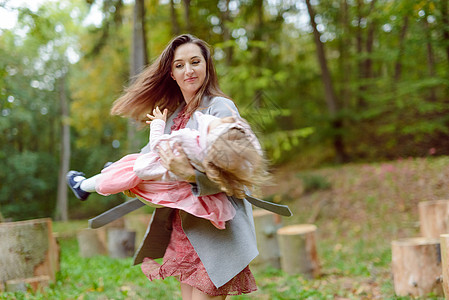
x=234, y=162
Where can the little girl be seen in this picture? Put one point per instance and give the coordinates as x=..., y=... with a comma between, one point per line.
x=225, y=149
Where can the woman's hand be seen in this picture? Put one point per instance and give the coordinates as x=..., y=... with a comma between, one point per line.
x=157, y=114
x=177, y=164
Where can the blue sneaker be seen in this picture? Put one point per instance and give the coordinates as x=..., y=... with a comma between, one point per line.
x=74, y=179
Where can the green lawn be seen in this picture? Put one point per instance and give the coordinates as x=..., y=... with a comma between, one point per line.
x=359, y=210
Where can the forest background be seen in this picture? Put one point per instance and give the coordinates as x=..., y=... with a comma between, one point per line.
x=321, y=81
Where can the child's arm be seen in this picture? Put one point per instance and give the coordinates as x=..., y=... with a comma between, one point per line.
x=157, y=125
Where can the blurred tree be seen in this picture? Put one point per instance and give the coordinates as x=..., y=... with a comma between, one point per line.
x=329, y=91
x=62, y=205
x=176, y=30
x=139, y=59
x=386, y=92
x=444, y=17
x=31, y=121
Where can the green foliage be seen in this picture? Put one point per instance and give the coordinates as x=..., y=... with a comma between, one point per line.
x=314, y=182
x=391, y=93
x=33, y=179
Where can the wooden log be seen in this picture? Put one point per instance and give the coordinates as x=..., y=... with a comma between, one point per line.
x=121, y=242
x=92, y=242
x=33, y=284
x=137, y=222
x=416, y=267
x=267, y=224
x=444, y=245
x=434, y=218
x=297, y=244
x=28, y=249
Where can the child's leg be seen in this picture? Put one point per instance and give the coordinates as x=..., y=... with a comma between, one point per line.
x=89, y=184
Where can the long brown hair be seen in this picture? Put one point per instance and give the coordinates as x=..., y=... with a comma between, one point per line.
x=154, y=86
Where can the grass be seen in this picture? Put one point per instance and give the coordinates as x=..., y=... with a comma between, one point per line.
x=361, y=209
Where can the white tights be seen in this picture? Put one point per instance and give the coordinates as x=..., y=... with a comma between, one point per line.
x=88, y=184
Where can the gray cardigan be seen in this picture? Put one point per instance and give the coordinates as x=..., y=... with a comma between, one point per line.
x=224, y=253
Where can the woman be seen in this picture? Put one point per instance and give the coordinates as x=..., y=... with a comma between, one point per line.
x=210, y=263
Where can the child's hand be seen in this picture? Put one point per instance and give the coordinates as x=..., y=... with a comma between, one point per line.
x=157, y=114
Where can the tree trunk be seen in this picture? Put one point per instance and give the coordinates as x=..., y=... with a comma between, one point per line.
x=445, y=27
x=92, y=242
x=434, y=218
x=430, y=57
x=416, y=267
x=139, y=60
x=28, y=249
x=225, y=19
x=398, y=65
x=257, y=50
x=297, y=244
x=266, y=224
x=37, y=283
x=329, y=92
x=139, y=51
x=368, y=64
x=365, y=66
x=139, y=224
x=121, y=242
x=187, y=15
x=62, y=207
x=359, y=49
x=175, y=28
x=343, y=59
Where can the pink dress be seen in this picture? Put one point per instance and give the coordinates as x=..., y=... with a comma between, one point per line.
x=181, y=260
x=144, y=175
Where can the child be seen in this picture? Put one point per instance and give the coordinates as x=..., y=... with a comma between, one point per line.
x=225, y=149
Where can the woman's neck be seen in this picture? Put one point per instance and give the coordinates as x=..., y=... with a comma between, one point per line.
x=188, y=99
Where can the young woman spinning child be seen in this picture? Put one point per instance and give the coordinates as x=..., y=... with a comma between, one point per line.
x=225, y=149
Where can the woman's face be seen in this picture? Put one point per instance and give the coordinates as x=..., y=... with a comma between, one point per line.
x=188, y=69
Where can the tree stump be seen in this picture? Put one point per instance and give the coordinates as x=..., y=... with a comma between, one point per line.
x=138, y=223
x=29, y=284
x=28, y=249
x=297, y=244
x=434, y=218
x=118, y=223
x=444, y=240
x=121, y=242
x=416, y=266
x=92, y=242
x=267, y=224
